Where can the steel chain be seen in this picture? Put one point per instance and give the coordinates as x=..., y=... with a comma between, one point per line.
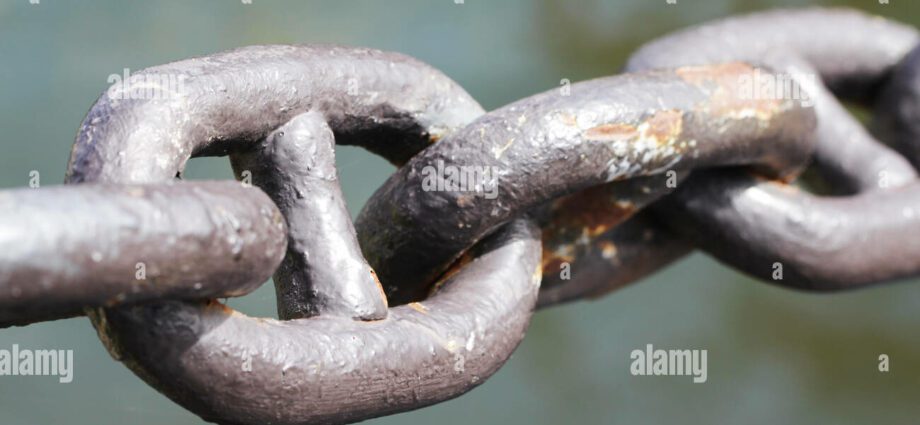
x=582, y=175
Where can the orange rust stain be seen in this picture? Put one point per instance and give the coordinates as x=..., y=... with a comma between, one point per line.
x=383, y=293
x=592, y=209
x=612, y=132
x=215, y=304
x=661, y=128
x=699, y=75
x=728, y=96
x=591, y=212
x=454, y=268
x=608, y=250
x=664, y=125
x=552, y=263
x=419, y=308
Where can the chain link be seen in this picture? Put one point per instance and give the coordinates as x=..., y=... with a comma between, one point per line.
x=610, y=179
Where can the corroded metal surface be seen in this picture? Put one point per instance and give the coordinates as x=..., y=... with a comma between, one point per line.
x=65, y=249
x=821, y=243
x=609, y=179
x=800, y=42
x=553, y=144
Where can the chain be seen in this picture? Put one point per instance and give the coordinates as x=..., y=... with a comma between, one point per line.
x=605, y=180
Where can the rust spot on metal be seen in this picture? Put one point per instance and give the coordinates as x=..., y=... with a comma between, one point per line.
x=608, y=250
x=592, y=210
x=552, y=262
x=578, y=219
x=419, y=307
x=383, y=293
x=457, y=265
x=700, y=75
x=664, y=125
x=732, y=91
x=213, y=304
x=661, y=128
x=612, y=132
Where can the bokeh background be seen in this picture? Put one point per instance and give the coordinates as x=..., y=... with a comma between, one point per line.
x=775, y=356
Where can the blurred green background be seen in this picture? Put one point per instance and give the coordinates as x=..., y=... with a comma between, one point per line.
x=775, y=356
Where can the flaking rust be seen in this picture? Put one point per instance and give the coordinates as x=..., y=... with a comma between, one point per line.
x=754, y=222
x=592, y=167
x=578, y=219
x=588, y=138
x=733, y=92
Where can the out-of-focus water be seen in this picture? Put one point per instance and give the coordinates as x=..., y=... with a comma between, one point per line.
x=775, y=356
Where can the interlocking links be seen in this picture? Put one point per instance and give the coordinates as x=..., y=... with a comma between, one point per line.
x=797, y=42
x=234, y=369
x=276, y=111
x=230, y=102
x=64, y=249
x=852, y=63
x=821, y=243
x=556, y=143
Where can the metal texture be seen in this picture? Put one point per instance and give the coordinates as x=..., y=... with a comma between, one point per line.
x=553, y=144
x=610, y=179
x=64, y=249
x=323, y=271
x=822, y=243
x=388, y=103
x=304, y=370
x=233, y=369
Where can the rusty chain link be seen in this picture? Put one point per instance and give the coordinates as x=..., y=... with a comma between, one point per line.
x=610, y=178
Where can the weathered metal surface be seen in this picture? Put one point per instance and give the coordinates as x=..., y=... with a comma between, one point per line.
x=234, y=369
x=820, y=243
x=593, y=165
x=329, y=368
x=323, y=271
x=230, y=102
x=389, y=103
x=64, y=249
x=553, y=144
x=630, y=251
x=851, y=63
